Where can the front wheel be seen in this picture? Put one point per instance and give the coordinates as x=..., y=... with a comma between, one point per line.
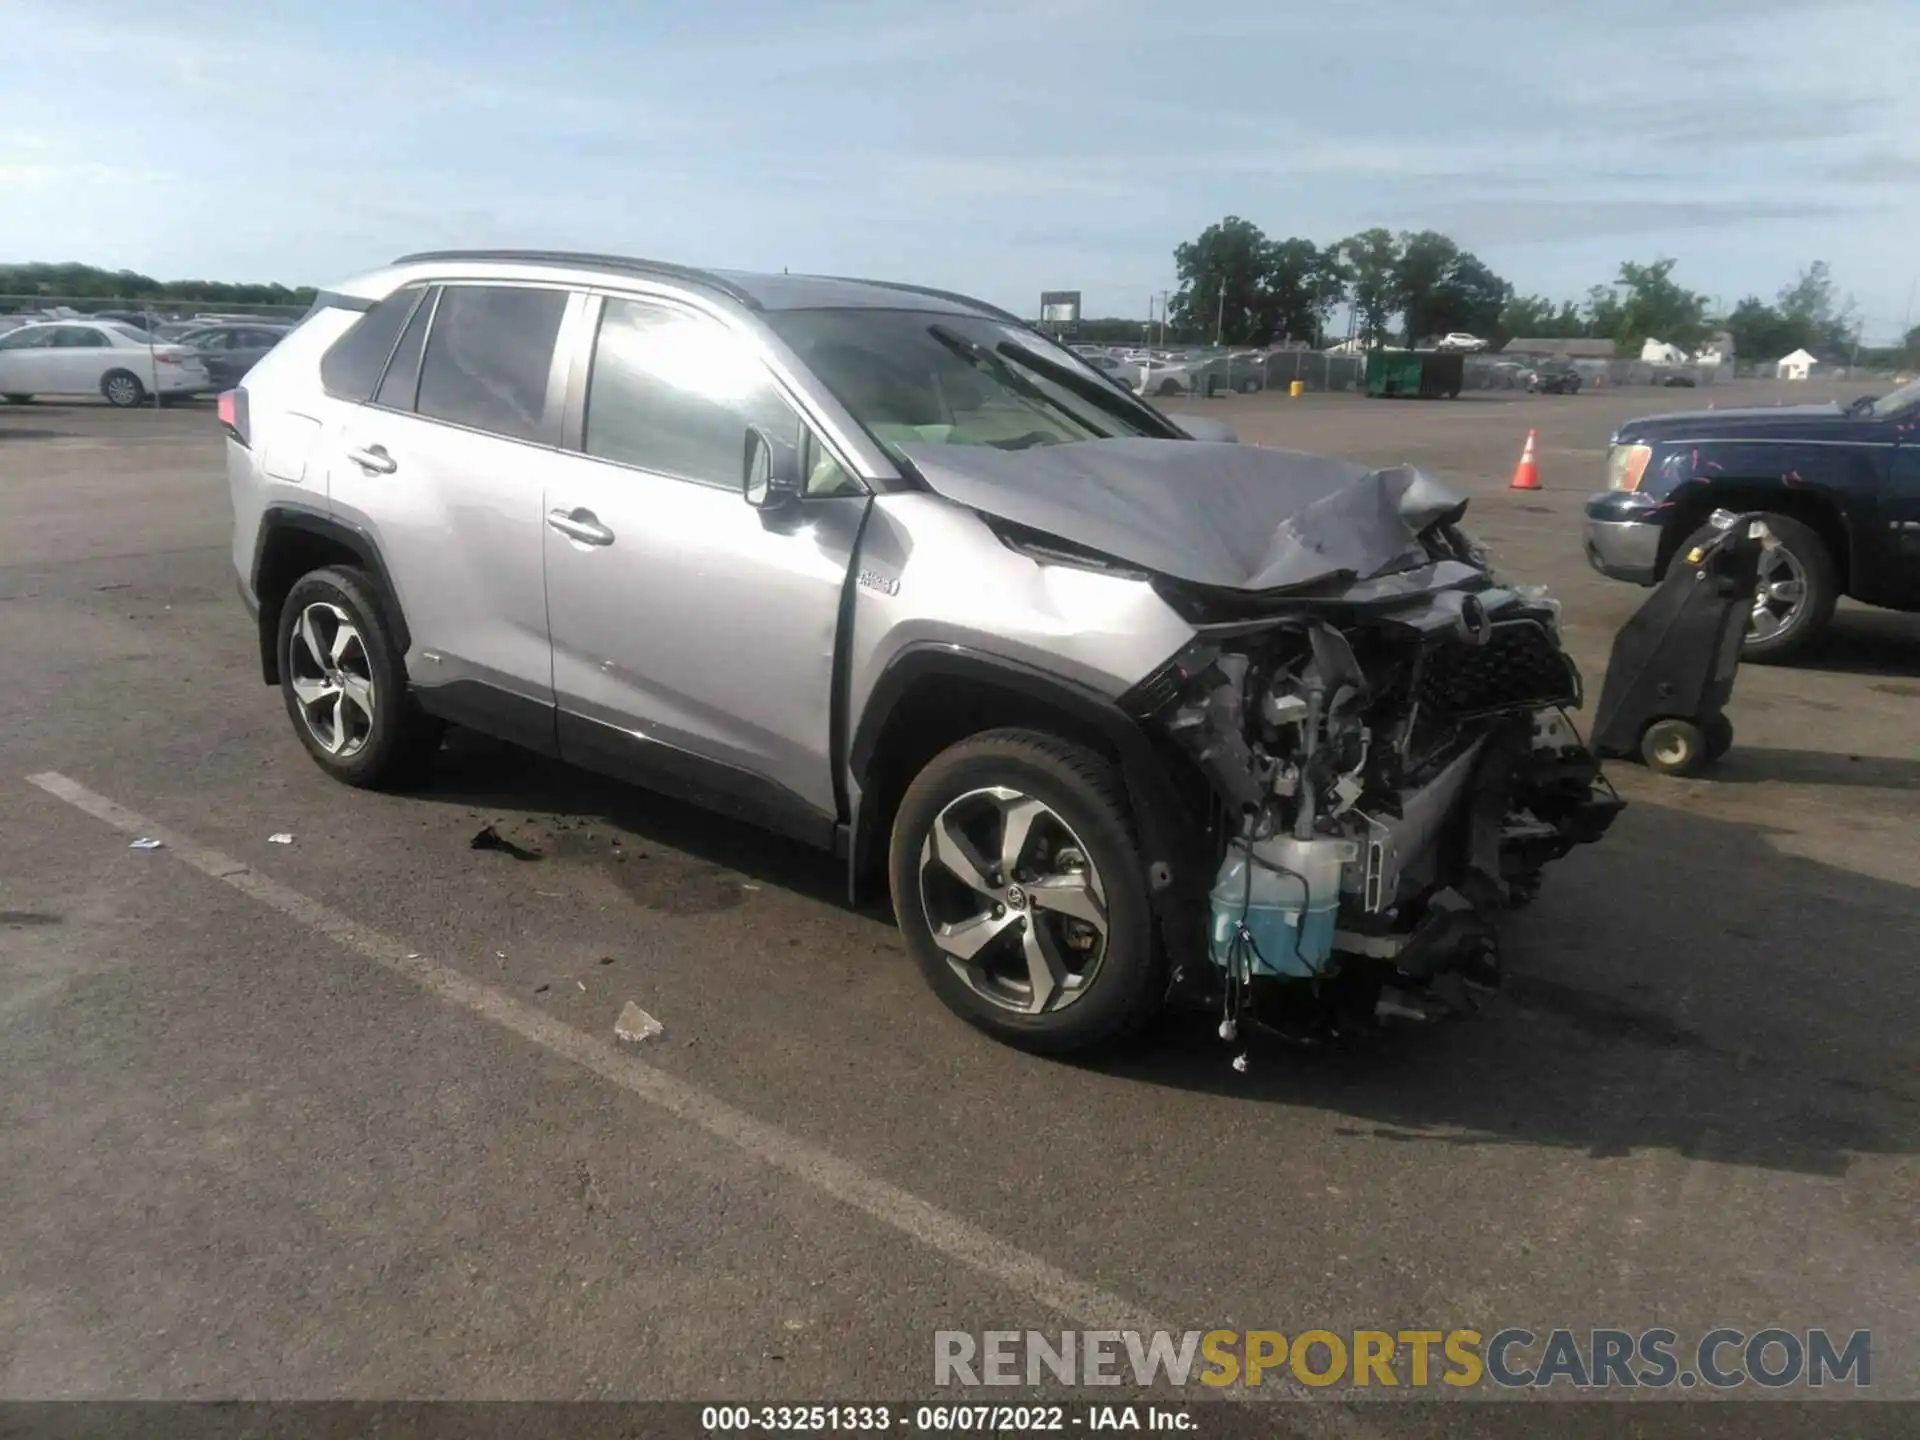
x=1169, y=387
x=19, y=399
x=1021, y=892
x=1794, y=598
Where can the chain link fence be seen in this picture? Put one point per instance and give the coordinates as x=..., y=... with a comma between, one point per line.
x=21, y=309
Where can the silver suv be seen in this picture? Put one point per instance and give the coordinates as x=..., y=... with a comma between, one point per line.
x=1120, y=708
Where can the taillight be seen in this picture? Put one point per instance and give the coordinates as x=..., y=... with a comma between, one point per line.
x=232, y=410
x=1626, y=464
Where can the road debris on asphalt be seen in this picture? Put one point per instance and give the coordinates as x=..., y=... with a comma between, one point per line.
x=491, y=839
x=280, y=838
x=635, y=1024
x=144, y=843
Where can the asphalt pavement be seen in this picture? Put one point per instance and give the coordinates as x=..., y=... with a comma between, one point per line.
x=347, y=1116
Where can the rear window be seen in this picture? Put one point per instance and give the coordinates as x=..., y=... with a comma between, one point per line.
x=402, y=380
x=352, y=366
x=488, y=357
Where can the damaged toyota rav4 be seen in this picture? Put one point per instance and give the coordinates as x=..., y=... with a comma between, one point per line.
x=1121, y=711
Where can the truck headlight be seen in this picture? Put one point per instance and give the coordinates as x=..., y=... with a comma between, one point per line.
x=1626, y=464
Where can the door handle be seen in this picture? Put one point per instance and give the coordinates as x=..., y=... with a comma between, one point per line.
x=373, y=459
x=581, y=525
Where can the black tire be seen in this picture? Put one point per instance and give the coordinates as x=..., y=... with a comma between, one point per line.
x=1087, y=793
x=1719, y=733
x=19, y=399
x=122, y=389
x=1169, y=387
x=1673, y=747
x=1808, y=627
x=1249, y=387
x=401, y=737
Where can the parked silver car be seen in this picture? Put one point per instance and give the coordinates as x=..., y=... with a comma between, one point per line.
x=1119, y=712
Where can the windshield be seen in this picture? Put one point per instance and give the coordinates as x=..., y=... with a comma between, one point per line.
x=915, y=378
x=1893, y=404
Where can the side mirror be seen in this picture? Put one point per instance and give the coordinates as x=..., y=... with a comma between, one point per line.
x=770, y=471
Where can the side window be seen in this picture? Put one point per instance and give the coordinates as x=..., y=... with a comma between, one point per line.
x=401, y=384
x=825, y=475
x=36, y=339
x=76, y=337
x=488, y=357
x=352, y=365
x=675, y=393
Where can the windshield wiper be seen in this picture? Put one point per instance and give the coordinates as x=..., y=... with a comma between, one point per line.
x=1101, y=394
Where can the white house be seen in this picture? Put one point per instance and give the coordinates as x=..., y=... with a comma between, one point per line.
x=1797, y=366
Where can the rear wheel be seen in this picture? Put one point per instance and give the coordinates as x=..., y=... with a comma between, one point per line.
x=1673, y=747
x=1719, y=733
x=345, y=683
x=19, y=399
x=122, y=388
x=1019, y=888
x=1169, y=387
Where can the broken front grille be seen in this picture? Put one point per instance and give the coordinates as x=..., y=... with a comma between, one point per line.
x=1521, y=667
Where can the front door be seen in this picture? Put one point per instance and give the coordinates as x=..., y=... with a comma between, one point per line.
x=693, y=635
x=1899, y=515
x=27, y=361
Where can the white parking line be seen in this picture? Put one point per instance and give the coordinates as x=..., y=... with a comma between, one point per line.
x=1027, y=1275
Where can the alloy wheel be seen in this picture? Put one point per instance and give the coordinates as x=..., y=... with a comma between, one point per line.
x=1013, y=900
x=1780, y=594
x=123, y=390
x=332, y=679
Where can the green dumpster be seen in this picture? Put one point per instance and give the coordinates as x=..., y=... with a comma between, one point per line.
x=1427, y=373
x=1393, y=372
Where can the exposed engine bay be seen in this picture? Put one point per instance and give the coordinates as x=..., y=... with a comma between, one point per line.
x=1391, y=767
x=1373, y=723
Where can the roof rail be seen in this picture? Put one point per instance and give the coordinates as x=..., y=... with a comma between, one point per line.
x=951, y=296
x=579, y=260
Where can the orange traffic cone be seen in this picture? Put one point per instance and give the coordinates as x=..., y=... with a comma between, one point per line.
x=1526, y=475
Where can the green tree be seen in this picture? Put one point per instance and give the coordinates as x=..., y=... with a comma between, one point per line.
x=1823, y=323
x=1602, y=313
x=1223, y=283
x=70, y=281
x=1370, y=259
x=1760, y=332
x=1647, y=303
x=1534, y=317
x=1419, y=274
x=1303, y=284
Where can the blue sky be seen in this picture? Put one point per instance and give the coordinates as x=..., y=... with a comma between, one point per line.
x=994, y=146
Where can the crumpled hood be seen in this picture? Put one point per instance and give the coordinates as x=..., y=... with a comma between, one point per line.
x=1237, y=517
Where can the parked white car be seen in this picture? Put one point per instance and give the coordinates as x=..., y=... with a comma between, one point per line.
x=1460, y=340
x=78, y=357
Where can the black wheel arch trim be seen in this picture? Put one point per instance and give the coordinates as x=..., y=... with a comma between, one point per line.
x=280, y=518
x=1168, y=842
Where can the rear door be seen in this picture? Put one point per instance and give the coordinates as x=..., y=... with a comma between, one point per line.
x=444, y=468
x=693, y=635
x=81, y=355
